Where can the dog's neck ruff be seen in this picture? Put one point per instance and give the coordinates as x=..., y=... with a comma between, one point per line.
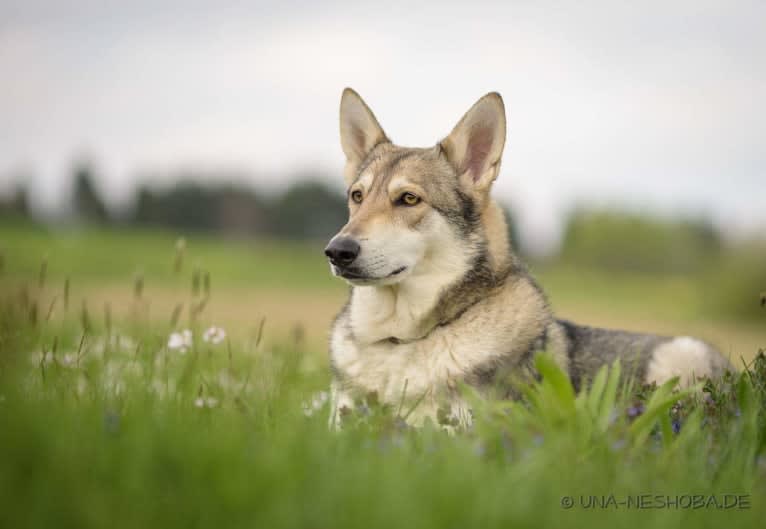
x=407, y=320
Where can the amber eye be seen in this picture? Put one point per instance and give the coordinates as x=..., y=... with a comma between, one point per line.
x=408, y=199
x=356, y=196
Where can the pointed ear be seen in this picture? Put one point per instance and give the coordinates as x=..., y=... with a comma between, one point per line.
x=475, y=145
x=359, y=130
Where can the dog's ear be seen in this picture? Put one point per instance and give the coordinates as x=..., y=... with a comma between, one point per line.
x=359, y=130
x=475, y=145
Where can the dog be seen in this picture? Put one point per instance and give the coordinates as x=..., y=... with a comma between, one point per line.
x=438, y=299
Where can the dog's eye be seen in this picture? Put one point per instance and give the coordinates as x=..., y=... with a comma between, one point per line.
x=408, y=199
x=356, y=196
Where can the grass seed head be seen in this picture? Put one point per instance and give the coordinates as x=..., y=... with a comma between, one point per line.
x=85, y=320
x=43, y=274
x=138, y=285
x=108, y=318
x=196, y=275
x=66, y=293
x=176, y=315
x=206, y=283
x=178, y=260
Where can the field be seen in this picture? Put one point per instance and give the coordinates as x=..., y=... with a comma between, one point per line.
x=106, y=420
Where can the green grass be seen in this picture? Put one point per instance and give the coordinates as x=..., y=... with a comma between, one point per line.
x=105, y=428
x=98, y=436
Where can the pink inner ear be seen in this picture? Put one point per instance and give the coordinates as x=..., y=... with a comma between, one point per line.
x=477, y=152
x=359, y=139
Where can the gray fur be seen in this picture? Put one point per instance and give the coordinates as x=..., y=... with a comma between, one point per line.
x=466, y=310
x=589, y=348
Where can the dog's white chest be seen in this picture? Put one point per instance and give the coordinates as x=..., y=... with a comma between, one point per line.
x=388, y=368
x=431, y=367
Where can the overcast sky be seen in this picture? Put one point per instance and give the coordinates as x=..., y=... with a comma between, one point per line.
x=656, y=106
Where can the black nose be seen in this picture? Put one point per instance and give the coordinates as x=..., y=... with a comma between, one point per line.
x=342, y=251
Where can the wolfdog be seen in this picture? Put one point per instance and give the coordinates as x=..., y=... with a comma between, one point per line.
x=438, y=299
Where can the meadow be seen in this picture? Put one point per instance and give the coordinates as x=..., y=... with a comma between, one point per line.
x=111, y=414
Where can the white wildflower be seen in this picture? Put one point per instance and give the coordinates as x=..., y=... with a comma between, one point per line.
x=214, y=335
x=176, y=341
x=69, y=360
x=206, y=402
x=319, y=399
x=180, y=341
x=317, y=402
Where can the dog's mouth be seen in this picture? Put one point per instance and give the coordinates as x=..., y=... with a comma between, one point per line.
x=397, y=271
x=353, y=274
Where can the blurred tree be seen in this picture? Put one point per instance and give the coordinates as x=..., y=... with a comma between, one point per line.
x=224, y=208
x=14, y=199
x=16, y=205
x=144, y=209
x=20, y=201
x=623, y=241
x=308, y=209
x=187, y=205
x=240, y=211
x=88, y=205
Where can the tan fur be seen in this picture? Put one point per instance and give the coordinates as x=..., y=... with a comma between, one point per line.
x=435, y=365
x=496, y=230
x=438, y=297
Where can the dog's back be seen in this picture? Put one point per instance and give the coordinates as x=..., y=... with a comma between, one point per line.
x=645, y=357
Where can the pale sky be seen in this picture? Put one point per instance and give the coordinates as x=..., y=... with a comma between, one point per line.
x=652, y=106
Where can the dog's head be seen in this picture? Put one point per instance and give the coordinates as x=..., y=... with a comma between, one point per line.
x=406, y=205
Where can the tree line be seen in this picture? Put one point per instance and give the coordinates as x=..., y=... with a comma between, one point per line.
x=307, y=209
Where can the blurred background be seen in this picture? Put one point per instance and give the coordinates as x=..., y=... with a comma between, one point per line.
x=146, y=144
